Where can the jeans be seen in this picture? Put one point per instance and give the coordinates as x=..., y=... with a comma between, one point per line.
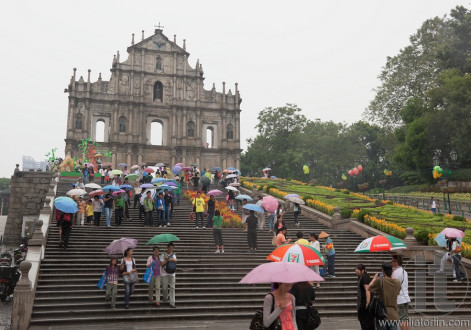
x=118, y=218
x=136, y=200
x=149, y=220
x=456, y=265
x=109, y=213
x=97, y=217
x=160, y=217
x=209, y=220
x=199, y=215
x=217, y=234
x=168, y=288
x=111, y=292
x=128, y=291
x=177, y=198
x=167, y=214
x=331, y=264
x=271, y=220
x=154, y=285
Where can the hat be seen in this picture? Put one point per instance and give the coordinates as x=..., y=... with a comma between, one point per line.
x=323, y=234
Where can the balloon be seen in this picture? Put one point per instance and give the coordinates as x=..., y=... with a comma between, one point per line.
x=355, y=171
x=350, y=173
x=386, y=172
x=344, y=177
x=434, y=174
x=360, y=168
x=436, y=167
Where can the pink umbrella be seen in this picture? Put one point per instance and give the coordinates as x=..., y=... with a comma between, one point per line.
x=186, y=168
x=115, y=193
x=96, y=192
x=214, y=192
x=118, y=246
x=135, y=167
x=149, y=170
x=270, y=203
x=179, y=164
x=281, y=272
x=452, y=232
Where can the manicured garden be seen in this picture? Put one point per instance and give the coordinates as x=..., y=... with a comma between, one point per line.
x=383, y=215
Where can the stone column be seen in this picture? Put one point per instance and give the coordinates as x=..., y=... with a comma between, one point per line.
x=128, y=160
x=24, y=298
x=113, y=156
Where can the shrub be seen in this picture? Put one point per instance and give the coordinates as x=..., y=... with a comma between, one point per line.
x=346, y=191
x=268, y=187
x=346, y=213
x=361, y=215
x=390, y=203
x=422, y=236
x=458, y=218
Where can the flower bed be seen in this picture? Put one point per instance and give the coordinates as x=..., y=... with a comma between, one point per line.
x=387, y=227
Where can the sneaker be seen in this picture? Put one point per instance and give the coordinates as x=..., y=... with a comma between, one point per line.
x=168, y=224
x=160, y=226
x=204, y=227
x=333, y=276
x=165, y=225
x=197, y=227
x=173, y=306
x=222, y=251
x=217, y=251
x=456, y=280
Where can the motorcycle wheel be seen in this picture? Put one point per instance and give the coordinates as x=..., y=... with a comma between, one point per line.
x=2, y=298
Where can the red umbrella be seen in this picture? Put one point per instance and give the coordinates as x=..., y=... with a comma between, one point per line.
x=149, y=170
x=115, y=193
x=186, y=168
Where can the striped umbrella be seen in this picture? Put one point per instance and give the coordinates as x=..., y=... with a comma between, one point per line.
x=381, y=243
x=298, y=253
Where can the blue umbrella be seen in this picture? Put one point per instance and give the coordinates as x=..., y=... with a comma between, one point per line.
x=231, y=169
x=66, y=205
x=253, y=207
x=216, y=168
x=441, y=240
x=242, y=197
x=110, y=188
x=158, y=180
x=146, y=185
x=273, y=177
x=176, y=170
x=126, y=187
x=166, y=186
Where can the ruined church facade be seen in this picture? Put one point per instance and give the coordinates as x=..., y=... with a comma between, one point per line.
x=156, y=88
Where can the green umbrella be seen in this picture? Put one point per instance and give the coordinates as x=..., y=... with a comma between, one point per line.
x=162, y=238
x=132, y=176
x=205, y=179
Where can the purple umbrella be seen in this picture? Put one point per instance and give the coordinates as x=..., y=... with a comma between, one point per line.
x=173, y=184
x=146, y=185
x=118, y=246
x=292, y=195
x=176, y=170
x=214, y=192
x=281, y=272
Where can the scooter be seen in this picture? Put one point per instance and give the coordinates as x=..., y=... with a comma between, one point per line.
x=9, y=273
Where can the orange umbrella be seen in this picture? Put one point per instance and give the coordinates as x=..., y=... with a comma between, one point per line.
x=298, y=253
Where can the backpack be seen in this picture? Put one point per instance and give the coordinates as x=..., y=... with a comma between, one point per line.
x=170, y=266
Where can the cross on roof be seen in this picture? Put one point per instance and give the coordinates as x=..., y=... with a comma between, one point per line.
x=160, y=27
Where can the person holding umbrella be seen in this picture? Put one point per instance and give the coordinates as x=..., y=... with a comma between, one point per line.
x=97, y=207
x=211, y=208
x=109, y=207
x=148, y=208
x=252, y=231
x=279, y=306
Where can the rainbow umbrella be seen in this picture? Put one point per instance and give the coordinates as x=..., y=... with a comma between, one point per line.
x=298, y=253
x=381, y=243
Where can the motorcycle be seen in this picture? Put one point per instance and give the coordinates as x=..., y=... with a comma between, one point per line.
x=9, y=272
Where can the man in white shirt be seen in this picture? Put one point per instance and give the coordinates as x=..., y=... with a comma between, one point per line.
x=313, y=242
x=403, y=299
x=260, y=216
x=168, y=279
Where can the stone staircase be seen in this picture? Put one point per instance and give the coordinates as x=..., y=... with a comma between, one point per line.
x=206, y=284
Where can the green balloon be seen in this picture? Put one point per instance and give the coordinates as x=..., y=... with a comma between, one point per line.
x=436, y=168
x=440, y=170
x=448, y=172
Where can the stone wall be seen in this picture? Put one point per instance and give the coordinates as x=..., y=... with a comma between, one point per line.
x=28, y=192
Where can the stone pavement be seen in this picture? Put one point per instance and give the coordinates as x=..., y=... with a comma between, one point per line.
x=5, y=313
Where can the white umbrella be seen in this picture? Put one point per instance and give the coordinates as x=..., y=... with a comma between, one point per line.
x=76, y=192
x=93, y=186
x=296, y=200
x=235, y=184
x=231, y=188
x=159, y=165
x=230, y=176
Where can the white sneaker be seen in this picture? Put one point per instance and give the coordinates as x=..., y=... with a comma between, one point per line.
x=222, y=251
x=197, y=227
x=217, y=251
x=160, y=226
x=168, y=224
x=204, y=227
x=165, y=225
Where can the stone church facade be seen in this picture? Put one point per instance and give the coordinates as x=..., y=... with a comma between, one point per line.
x=156, y=84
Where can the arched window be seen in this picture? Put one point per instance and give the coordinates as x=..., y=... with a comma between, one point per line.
x=78, y=121
x=158, y=64
x=229, y=132
x=122, y=124
x=100, y=131
x=209, y=137
x=190, y=129
x=156, y=133
x=158, y=91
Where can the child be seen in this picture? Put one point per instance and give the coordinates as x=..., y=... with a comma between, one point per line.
x=89, y=211
x=112, y=273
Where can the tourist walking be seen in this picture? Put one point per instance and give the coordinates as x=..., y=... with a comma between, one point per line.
x=148, y=209
x=120, y=204
x=109, y=207
x=217, y=231
x=296, y=212
x=199, y=206
x=388, y=288
x=252, y=222
x=245, y=214
x=128, y=267
x=211, y=209
x=260, y=215
x=137, y=194
x=281, y=237
x=160, y=207
x=195, y=180
x=81, y=205
x=330, y=253
x=112, y=273
x=65, y=224
x=314, y=243
x=91, y=174
x=279, y=306
x=168, y=261
x=304, y=296
x=168, y=207
x=230, y=199
x=456, y=258
x=89, y=211
x=433, y=205
x=366, y=318
x=154, y=285
x=97, y=208
x=178, y=191
x=403, y=298
x=271, y=222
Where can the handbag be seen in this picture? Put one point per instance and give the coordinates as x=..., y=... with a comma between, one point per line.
x=257, y=320
x=377, y=308
x=102, y=282
x=149, y=274
x=130, y=278
x=192, y=217
x=313, y=318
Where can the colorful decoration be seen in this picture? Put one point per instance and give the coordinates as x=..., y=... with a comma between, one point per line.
x=388, y=172
x=306, y=169
x=90, y=153
x=355, y=171
x=344, y=177
x=360, y=168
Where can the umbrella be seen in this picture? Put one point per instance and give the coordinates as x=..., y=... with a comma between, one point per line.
x=59, y=198
x=110, y=188
x=92, y=186
x=159, y=165
x=292, y=195
x=116, y=172
x=232, y=169
x=97, y=192
x=122, y=165
x=231, y=188
x=452, y=232
x=281, y=272
x=179, y=164
x=266, y=169
x=149, y=170
x=172, y=184
x=380, y=243
x=323, y=234
x=216, y=168
x=165, y=186
x=158, y=180
x=66, y=205
x=146, y=185
x=162, y=238
x=176, y=170
x=153, y=192
x=186, y=168
x=230, y=176
x=126, y=187
x=214, y=192
x=234, y=184
x=273, y=177
x=296, y=200
x=441, y=240
x=270, y=203
x=116, y=193
x=205, y=179
x=142, y=164
x=76, y=192
x=253, y=207
x=106, y=164
x=242, y=197
x=135, y=167
x=298, y=253
x=194, y=165
x=118, y=246
x=131, y=176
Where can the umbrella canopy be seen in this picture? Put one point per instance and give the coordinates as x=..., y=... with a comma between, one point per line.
x=296, y=200
x=205, y=179
x=176, y=170
x=380, y=243
x=135, y=167
x=131, y=177
x=323, y=234
x=231, y=188
x=159, y=165
x=292, y=195
x=214, y=192
x=232, y=169
x=110, y=188
x=97, y=192
x=66, y=205
x=234, y=184
x=171, y=184
x=146, y=185
x=298, y=253
x=281, y=272
x=116, y=172
x=142, y=164
x=253, y=207
x=122, y=165
x=273, y=177
x=126, y=187
x=106, y=164
x=266, y=169
x=116, y=193
x=149, y=170
x=92, y=185
x=242, y=197
x=118, y=246
x=76, y=192
x=270, y=203
x=186, y=168
x=452, y=232
x=216, y=168
x=162, y=238
x=441, y=240
x=179, y=164
x=165, y=186
x=230, y=176
x=158, y=180
x=194, y=165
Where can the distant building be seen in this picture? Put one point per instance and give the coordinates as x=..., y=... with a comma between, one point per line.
x=29, y=164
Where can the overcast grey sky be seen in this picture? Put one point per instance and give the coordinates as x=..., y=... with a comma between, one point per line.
x=324, y=56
